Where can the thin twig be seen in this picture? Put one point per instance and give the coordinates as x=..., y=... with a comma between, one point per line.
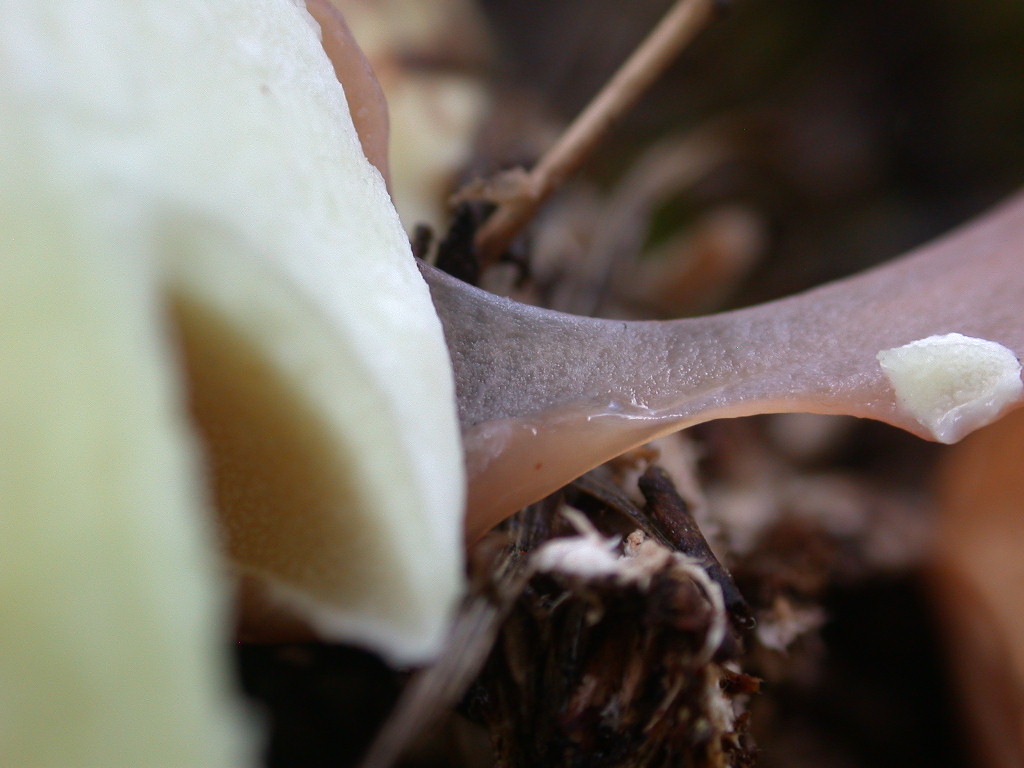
x=434, y=691
x=679, y=26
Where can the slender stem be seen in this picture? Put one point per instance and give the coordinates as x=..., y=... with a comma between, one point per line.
x=679, y=26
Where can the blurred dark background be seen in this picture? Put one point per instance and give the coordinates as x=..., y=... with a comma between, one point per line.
x=866, y=126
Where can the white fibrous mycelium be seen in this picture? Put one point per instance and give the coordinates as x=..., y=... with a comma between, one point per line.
x=953, y=384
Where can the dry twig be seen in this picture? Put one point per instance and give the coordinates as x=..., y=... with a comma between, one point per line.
x=679, y=26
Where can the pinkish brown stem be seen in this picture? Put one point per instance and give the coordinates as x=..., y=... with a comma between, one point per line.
x=544, y=396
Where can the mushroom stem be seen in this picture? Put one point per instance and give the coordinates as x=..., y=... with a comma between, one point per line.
x=544, y=396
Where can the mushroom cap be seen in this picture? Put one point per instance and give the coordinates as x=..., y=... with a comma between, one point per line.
x=194, y=238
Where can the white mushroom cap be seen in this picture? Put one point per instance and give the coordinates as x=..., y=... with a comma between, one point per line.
x=185, y=208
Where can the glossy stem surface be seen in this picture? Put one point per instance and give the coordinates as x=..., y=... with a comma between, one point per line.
x=544, y=396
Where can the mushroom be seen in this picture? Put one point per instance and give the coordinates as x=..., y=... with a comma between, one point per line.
x=204, y=284
x=207, y=302
x=363, y=92
x=544, y=396
x=430, y=58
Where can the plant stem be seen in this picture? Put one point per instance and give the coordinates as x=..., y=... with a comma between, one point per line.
x=679, y=26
